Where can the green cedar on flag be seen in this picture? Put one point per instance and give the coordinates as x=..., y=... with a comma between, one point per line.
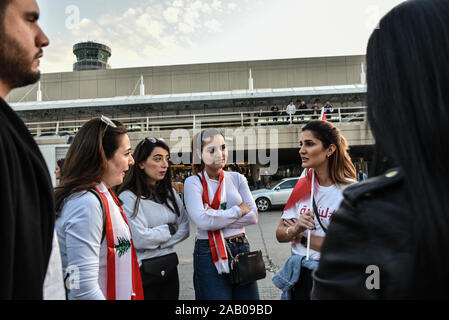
x=123, y=246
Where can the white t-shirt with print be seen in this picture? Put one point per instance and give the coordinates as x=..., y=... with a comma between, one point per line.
x=327, y=200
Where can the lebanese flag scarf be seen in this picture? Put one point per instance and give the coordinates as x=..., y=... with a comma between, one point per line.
x=216, y=239
x=302, y=190
x=123, y=274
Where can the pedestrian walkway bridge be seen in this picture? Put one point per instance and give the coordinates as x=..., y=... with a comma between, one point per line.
x=350, y=120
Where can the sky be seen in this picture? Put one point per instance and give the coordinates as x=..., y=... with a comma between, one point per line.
x=145, y=33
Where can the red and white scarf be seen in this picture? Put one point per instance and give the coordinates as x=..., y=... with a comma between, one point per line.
x=216, y=239
x=123, y=274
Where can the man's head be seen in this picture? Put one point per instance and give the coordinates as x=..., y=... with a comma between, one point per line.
x=21, y=43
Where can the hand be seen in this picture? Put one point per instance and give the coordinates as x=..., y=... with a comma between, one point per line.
x=305, y=222
x=244, y=207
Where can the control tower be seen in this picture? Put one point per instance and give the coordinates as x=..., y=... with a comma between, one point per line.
x=91, y=56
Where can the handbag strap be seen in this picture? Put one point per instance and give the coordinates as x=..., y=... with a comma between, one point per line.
x=103, y=210
x=229, y=250
x=315, y=210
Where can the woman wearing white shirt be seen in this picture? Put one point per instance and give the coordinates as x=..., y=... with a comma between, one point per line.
x=323, y=150
x=98, y=257
x=221, y=205
x=157, y=218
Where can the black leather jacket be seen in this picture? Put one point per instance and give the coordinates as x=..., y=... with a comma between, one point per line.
x=369, y=233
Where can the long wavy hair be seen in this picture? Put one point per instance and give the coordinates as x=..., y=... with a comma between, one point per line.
x=408, y=112
x=340, y=165
x=137, y=182
x=86, y=159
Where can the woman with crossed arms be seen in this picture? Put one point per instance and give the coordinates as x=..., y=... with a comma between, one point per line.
x=220, y=203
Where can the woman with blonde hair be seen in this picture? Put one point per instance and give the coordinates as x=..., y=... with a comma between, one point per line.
x=323, y=151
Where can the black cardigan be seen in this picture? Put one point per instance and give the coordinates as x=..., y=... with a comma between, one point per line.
x=27, y=210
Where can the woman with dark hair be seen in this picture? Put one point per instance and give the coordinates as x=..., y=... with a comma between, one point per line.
x=97, y=251
x=157, y=218
x=324, y=152
x=390, y=235
x=58, y=169
x=220, y=204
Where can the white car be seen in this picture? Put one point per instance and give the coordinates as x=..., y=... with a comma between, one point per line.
x=276, y=195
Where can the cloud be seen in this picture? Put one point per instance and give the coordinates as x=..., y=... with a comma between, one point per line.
x=150, y=26
x=151, y=33
x=213, y=26
x=171, y=14
x=232, y=6
x=178, y=3
x=216, y=4
x=58, y=57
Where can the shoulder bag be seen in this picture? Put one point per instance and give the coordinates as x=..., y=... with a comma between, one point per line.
x=245, y=267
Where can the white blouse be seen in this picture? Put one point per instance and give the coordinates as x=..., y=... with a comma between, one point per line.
x=83, y=254
x=150, y=232
x=230, y=221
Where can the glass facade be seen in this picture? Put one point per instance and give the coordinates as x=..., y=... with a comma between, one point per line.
x=91, y=56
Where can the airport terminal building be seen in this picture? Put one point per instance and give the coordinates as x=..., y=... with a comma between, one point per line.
x=175, y=102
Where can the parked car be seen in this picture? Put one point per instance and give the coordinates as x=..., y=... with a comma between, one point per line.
x=276, y=194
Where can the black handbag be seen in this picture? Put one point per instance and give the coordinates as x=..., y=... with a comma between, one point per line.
x=160, y=266
x=246, y=267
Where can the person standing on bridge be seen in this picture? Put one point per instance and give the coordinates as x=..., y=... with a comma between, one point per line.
x=28, y=212
x=157, y=218
x=290, y=110
x=324, y=151
x=220, y=203
x=389, y=238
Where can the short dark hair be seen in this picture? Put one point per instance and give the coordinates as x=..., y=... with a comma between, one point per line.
x=235, y=167
x=3, y=5
x=60, y=164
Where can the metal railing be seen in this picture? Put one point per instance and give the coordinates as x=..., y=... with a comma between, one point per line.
x=207, y=120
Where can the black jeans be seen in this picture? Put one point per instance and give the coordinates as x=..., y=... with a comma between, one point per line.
x=160, y=287
x=302, y=289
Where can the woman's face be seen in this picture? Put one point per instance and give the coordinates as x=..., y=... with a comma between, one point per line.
x=312, y=152
x=214, y=153
x=119, y=163
x=156, y=165
x=58, y=172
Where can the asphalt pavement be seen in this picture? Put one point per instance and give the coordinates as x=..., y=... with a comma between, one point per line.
x=261, y=236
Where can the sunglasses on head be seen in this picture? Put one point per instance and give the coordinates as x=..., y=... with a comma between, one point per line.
x=108, y=122
x=154, y=140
